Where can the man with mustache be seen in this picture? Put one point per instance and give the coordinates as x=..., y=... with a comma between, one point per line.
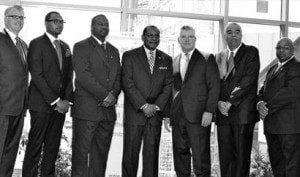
x=279, y=108
x=13, y=88
x=239, y=69
x=98, y=73
x=147, y=84
x=50, y=92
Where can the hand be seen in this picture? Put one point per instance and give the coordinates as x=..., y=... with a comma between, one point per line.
x=228, y=106
x=222, y=106
x=62, y=106
x=60, y=110
x=262, y=109
x=206, y=119
x=167, y=124
x=149, y=110
x=109, y=100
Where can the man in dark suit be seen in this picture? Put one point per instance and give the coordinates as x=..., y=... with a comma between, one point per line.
x=50, y=91
x=195, y=98
x=13, y=88
x=239, y=69
x=279, y=107
x=98, y=76
x=146, y=80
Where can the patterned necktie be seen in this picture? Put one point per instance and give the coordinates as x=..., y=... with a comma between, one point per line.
x=58, y=51
x=151, y=61
x=20, y=49
x=184, y=65
x=230, y=63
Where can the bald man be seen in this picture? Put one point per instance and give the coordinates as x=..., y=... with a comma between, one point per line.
x=13, y=88
x=279, y=108
x=239, y=69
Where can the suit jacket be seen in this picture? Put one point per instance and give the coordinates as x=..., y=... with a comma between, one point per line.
x=13, y=77
x=141, y=87
x=97, y=73
x=200, y=88
x=281, y=93
x=240, y=86
x=48, y=81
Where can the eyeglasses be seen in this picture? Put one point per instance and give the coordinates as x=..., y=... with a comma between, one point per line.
x=283, y=47
x=187, y=37
x=56, y=21
x=16, y=17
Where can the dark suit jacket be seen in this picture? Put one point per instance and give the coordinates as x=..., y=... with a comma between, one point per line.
x=200, y=88
x=48, y=81
x=141, y=87
x=282, y=95
x=243, y=76
x=97, y=73
x=13, y=77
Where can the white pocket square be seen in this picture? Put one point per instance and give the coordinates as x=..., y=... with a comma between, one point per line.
x=162, y=67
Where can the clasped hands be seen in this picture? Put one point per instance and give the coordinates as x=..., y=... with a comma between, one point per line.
x=62, y=106
x=224, y=107
x=149, y=110
x=262, y=109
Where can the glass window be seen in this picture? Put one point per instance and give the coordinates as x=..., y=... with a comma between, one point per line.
x=264, y=38
x=294, y=33
x=206, y=32
x=263, y=9
x=189, y=6
x=104, y=3
x=294, y=11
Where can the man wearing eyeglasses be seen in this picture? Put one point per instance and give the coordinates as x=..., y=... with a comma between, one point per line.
x=237, y=115
x=13, y=88
x=195, y=96
x=279, y=108
x=147, y=84
x=50, y=93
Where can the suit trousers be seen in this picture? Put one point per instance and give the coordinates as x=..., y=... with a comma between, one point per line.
x=235, y=144
x=133, y=137
x=190, y=140
x=284, y=153
x=44, y=138
x=10, y=133
x=91, y=143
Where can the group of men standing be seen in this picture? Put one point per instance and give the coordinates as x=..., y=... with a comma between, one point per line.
x=187, y=92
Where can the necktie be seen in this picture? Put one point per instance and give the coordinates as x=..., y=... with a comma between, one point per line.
x=20, y=49
x=184, y=65
x=151, y=61
x=103, y=46
x=230, y=64
x=58, y=51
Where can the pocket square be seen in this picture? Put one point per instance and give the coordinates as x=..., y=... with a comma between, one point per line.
x=163, y=67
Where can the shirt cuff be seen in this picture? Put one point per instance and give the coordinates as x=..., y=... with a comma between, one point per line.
x=142, y=107
x=54, y=102
x=258, y=104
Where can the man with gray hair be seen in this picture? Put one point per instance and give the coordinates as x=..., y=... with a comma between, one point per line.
x=195, y=96
x=13, y=88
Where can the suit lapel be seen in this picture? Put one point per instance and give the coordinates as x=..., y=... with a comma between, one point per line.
x=284, y=67
x=192, y=63
x=237, y=58
x=12, y=45
x=144, y=60
x=99, y=50
x=52, y=50
x=157, y=63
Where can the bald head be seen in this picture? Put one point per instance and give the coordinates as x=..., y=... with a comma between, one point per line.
x=233, y=35
x=284, y=49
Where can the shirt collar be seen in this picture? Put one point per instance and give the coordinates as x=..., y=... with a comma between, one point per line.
x=283, y=63
x=148, y=51
x=11, y=35
x=52, y=38
x=99, y=42
x=190, y=53
x=235, y=50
